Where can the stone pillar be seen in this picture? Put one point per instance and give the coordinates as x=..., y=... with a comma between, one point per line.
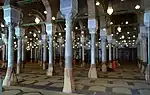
x=147, y=24
x=19, y=55
x=3, y=56
x=5, y=50
x=69, y=9
x=40, y=52
x=11, y=21
x=31, y=53
x=19, y=33
x=103, y=43
x=109, y=39
x=118, y=64
x=139, y=50
x=114, y=53
x=60, y=40
x=92, y=71
x=50, y=36
x=44, y=51
x=35, y=54
x=82, y=42
x=143, y=41
x=23, y=53
x=68, y=77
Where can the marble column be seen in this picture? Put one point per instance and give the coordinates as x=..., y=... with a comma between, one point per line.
x=9, y=74
x=31, y=54
x=114, y=53
x=144, y=52
x=147, y=72
x=68, y=76
x=3, y=56
x=82, y=42
x=23, y=53
x=103, y=43
x=92, y=71
x=118, y=64
x=35, y=54
x=19, y=54
x=50, y=36
x=147, y=30
x=109, y=39
x=69, y=12
x=44, y=51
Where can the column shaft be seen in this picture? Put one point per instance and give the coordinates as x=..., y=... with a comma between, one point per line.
x=19, y=51
x=103, y=51
x=114, y=55
x=10, y=47
x=83, y=52
x=44, y=51
x=68, y=44
x=23, y=49
x=93, y=48
x=110, y=59
x=50, y=49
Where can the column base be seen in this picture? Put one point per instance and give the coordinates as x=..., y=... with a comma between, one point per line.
x=83, y=64
x=23, y=65
x=10, y=78
x=50, y=70
x=110, y=64
x=69, y=86
x=44, y=65
x=18, y=68
x=147, y=73
x=92, y=71
x=143, y=68
x=104, y=67
x=61, y=64
x=40, y=62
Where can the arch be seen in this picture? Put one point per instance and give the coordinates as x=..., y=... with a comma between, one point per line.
x=49, y=11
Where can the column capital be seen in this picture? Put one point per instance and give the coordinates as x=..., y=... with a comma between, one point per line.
x=147, y=18
x=44, y=37
x=103, y=35
x=19, y=32
x=109, y=39
x=9, y=17
x=143, y=31
x=69, y=8
x=49, y=28
x=92, y=25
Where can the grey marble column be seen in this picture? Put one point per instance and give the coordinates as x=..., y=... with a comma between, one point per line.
x=50, y=36
x=114, y=53
x=6, y=81
x=110, y=59
x=3, y=56
x=31, y=54
x=19, y=54
x=44, y=51
x=93, y=48
x=23, y=53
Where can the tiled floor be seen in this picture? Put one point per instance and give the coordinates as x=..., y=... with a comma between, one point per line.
x=127, y=80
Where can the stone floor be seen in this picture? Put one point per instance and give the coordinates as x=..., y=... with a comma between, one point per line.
x=127, y=80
